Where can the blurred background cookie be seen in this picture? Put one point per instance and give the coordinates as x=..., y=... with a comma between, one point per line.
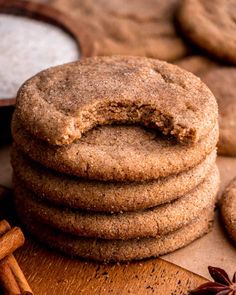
x=210, y=25
x=197, y=64
x=221, y=81
x=134, y=27
x=228, y=209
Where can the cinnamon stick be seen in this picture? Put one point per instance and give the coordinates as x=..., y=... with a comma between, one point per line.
x=11, y=241
x=8, y=282
x=12, y=278
x=19, y=276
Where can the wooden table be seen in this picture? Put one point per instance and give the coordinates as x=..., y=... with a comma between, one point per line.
x=52, y=273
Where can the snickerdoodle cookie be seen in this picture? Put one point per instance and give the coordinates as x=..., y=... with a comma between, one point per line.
x=211, y=25
x=222, y=82
x=139, y=28
x=228, y=209
x=117, y=152
x=60, y=104
x=197, y=64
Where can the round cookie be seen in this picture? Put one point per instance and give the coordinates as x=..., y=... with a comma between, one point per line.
x=120, y=153
x=196, y=64
x=221, y=81
x=211, y=25
x=138, y=28
x=105, y=196
x=117, y=250
x=60, y=104
x=153, y=222
x=228, y=209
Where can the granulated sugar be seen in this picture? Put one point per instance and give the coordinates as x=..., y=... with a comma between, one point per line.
x=28, y=46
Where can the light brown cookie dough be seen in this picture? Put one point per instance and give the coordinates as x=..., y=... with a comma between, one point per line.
x=117, y=250
x=119, y=153
x=60, y=104
x=222, y=82
x=105, y=196
x=134, y=27
x=153, y=222
x=211, y=25
x=228, y=209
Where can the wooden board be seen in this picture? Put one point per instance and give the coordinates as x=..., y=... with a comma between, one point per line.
x=51, y=273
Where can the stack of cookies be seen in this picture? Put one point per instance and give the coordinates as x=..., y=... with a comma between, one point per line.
x=114, y=157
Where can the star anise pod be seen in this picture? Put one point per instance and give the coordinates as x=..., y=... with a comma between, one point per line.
x=222, y=284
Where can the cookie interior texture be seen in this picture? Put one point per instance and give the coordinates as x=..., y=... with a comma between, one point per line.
x=211, y=25
x=105, y=196
x=60, y=104
x=148, y=223
x=118, y=250
x=138, y=28
x=228, y=209
x=125, y=153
